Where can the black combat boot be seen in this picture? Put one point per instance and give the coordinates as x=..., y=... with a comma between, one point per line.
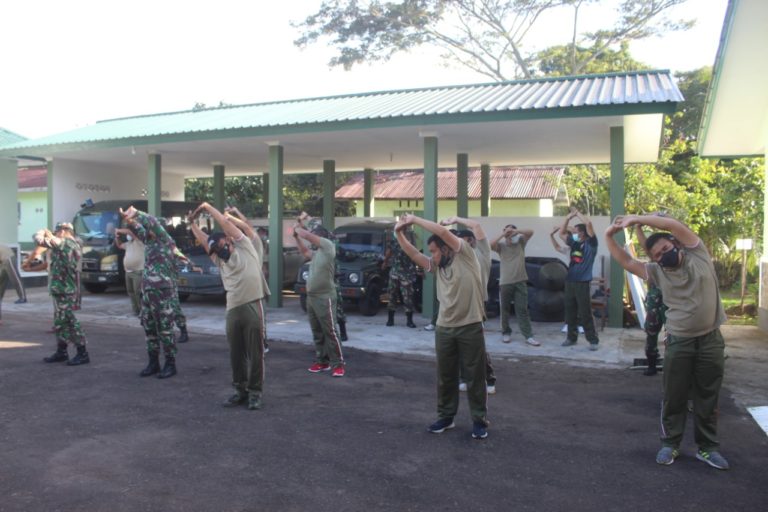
x=60, y=355
x=153, y=367
x=184, y=335
x=80, y=358
x=343, y=330
x=409, y=321
x=169, y=369
x=651, y=370
x=391, y=319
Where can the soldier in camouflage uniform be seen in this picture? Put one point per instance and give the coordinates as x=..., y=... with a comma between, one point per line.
x=65, y=259
x=402, y=274
x=178, y=315
x=655, y=315
x=158, y=290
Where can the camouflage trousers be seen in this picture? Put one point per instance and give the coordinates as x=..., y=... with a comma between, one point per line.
x=655, y=316
x=157, y=317
x=178, y=315
x=400, y=290
x=341, y=316
x=67, y=327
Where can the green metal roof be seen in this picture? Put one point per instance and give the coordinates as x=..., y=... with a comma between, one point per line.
x=7, y=137
x=589, y=95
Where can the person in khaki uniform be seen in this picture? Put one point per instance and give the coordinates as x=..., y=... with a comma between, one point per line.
x=133, y=262
x=513, y=281
x=459, y=331
x=321, y=295
x=694, y=358
x=241, y=273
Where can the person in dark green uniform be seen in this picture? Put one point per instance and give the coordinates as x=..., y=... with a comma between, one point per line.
x=694, y=358
x=157, y=291
x=65, y=256
x=321, y=295
x=402, y=276
x=459, y=331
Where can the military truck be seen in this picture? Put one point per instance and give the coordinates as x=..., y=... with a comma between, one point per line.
x=95, y=225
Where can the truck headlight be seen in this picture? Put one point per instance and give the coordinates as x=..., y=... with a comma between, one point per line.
x=109, y=263
x=354, y=278
x=305, y=276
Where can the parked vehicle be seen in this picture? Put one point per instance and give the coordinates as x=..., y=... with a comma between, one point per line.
x=201, y=276
x=361, y=275
x=95, y=225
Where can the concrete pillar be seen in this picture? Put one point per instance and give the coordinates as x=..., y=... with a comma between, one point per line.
x=368, y=198
x=219, y=201
x=329, y=194
x=462, y=185
x=429, y=301
x=276, y=225
x=485, y=190
x=9, y=199
x=154, y=184
x=49, y=187
x=616, y=282
x=265, y=188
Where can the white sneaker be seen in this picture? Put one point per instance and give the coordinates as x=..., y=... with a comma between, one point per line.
x=565, y=328
x=533, y=342
x=581, y=329
x=462, y=386
x=506, y=338
x=491, y=389
x=429, y=327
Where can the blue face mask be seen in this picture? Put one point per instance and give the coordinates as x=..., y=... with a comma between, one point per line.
x=575, y=237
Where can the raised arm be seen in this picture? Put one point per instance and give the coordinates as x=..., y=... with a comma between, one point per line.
x=228, y=227
x=555, y=244
x=679, y=230
x=413, y=253
x=242, y=225
x=621, y=256
x=586, y=221
x=475, y=226
x=564, y=228
x=443, y=232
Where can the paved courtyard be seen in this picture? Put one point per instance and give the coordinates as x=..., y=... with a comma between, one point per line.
x=570, y=429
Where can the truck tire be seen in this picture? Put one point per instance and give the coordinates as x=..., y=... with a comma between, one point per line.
x=95, y=287
x=369, y=305
x=552, y=276
x=546, y=305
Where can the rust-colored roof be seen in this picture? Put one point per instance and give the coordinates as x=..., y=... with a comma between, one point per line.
x=32, y=177
x=506, y=183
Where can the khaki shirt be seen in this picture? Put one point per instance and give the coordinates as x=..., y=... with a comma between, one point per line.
x=512, y=261
x=241, y=274
x=133, y=261
x=322, y=270
x=459, y=290
x=691, y=293
x=483, y=253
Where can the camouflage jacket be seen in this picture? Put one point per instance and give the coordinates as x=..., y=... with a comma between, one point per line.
x=401, y=266
x=159, y=258
x=65, y=254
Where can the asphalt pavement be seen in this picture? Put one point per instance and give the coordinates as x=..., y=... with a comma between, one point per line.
x=570, y=429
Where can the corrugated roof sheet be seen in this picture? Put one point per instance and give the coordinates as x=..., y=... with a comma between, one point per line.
x=505, y=183
x=32, y=177
x=549, y=93
x=8, y=137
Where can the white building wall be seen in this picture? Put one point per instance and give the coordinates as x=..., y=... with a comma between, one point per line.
x=72, y=182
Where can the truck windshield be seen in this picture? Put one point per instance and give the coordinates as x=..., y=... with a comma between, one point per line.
x=362, y=243
x=92, y=225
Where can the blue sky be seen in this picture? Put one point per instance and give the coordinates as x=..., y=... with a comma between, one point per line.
x=69, y=64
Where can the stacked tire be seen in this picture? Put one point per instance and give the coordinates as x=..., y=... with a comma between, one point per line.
x=546, y=289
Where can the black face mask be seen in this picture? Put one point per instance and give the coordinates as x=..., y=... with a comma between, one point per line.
x=445, y=260
x=223, y=253
x=671, y=258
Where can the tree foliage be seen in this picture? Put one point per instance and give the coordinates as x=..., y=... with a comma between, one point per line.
x=486, y=36
x=301, y=192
